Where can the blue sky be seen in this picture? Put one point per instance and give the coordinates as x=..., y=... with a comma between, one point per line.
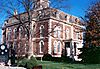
x=78, y=8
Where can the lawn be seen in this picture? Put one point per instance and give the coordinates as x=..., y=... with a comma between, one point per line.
x=56, y=65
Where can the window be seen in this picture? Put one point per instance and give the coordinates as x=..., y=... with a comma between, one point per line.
x=15, y=46
x=15, y=33
x=67, y=34
x=54, y=13
x=21, y=32
x=26, y=34
x=77, y=35
x=55, y=46
x=57, y=32
x=25, y=48
x=59, y=47
x=8, y=45
x=9, y=34
x=14, y=20
x=41, y=46
x=21, y=48
x=41, y=31
x=66, y=17
x=70, y=19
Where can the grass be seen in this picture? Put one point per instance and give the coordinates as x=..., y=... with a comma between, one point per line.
x=57, y=65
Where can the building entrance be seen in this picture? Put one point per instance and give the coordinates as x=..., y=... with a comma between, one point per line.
x=67, y=48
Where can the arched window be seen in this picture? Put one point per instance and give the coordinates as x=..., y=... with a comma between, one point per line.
x=9, y=34
x=15, y=33
x=25, y=33
x=21, y=32
x=67, y=33
x=41, y=43
x=41, y=31
x=55, y=46
x=26, y=47
x=59, y=47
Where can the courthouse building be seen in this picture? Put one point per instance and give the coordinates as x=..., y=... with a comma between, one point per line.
x=51, y=31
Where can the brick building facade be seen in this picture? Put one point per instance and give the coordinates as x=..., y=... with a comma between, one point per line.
x=52, y=32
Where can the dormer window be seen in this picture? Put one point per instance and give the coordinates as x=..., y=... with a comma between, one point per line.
x=70, y=19
x=65, y=17
x=54, y=13
x=77, y=20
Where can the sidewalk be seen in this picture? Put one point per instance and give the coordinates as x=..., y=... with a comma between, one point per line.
x=9, y=67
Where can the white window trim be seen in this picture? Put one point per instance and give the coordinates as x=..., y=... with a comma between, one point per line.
x=40, y=45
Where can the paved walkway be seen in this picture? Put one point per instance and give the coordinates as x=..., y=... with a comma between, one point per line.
x=8, y=67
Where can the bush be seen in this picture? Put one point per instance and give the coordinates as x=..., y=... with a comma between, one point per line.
x=22, y=63
x=28, y=63
x=47, y=57
x=32, y=62
x=66, y=59
x=90, y=55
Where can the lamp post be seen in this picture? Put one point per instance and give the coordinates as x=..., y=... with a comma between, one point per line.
x=4, y=53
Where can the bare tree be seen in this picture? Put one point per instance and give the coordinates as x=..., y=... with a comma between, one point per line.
x=21, y=12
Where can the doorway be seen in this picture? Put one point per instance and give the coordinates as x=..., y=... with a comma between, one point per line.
x=67, y=48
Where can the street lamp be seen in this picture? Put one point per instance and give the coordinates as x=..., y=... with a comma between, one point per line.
x=4, y=52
